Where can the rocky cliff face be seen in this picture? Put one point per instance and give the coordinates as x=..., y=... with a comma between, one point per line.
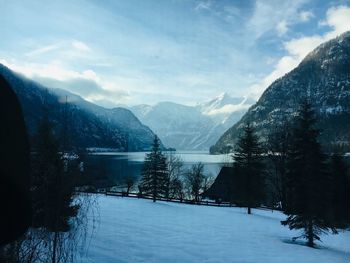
x=324, y=78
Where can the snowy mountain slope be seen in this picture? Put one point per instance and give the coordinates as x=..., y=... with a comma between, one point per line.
x=224, y=104
x=324, y=77
x=192, y=127
x=89, y=125
x=136, y=230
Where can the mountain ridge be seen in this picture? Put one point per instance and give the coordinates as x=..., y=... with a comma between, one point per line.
x=192, y=127
x=323, y=76
x=93, y=125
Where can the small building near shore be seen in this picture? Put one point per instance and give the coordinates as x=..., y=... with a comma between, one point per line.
x=221, y=189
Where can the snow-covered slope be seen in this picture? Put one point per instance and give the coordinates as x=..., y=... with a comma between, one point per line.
x=192, y=128
x=323, y=77
x=132, y=230
x=224, y=105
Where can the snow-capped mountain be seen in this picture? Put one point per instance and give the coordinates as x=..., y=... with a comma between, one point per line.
x=192, y=127
x=89, y=125
x=323, y=77
x=225, y=108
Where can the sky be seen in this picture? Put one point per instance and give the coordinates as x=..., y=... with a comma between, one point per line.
x=118, y=52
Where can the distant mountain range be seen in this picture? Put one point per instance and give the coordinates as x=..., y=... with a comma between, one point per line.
x=324, y=78
x=88, y=125
x=192, y=127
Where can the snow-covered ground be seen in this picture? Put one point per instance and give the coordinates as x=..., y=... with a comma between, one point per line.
x=132, y=230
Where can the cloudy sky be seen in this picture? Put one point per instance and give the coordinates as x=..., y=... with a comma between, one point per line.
x=144, y=51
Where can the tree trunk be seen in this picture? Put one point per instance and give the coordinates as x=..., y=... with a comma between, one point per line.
x=54, y=247
x=154, y=197
x=310, y=234
x=249, y=210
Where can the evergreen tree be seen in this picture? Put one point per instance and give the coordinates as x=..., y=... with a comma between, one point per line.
x=307, y=198
x=340, y=191
x=278, y=143
x=52, y=187
x=155, y=172
x=250, y=169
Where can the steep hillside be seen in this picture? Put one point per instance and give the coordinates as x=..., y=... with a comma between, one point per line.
x=323, y=77
x=88, y=125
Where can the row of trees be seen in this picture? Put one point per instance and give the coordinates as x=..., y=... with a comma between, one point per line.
x=164, y=176
x=311, y=187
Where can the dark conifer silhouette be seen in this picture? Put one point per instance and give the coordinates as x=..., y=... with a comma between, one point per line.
x=278, y=143
x=154, y=172
x=340, y=188
x=52, y=187
x=307, y=199
x=14, y=167
x=249, y=167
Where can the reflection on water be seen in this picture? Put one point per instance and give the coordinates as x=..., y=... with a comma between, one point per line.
x=117, y=165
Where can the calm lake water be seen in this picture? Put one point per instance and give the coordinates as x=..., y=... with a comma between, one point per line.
x=117, y=165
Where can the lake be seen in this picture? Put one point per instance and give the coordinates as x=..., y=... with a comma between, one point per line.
x=113, y=167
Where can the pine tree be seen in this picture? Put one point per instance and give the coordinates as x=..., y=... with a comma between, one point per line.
x=340, y=191
x=307, y=198
x=250, y=169
x=278, y=143
x=154, y=172
x=52, y=187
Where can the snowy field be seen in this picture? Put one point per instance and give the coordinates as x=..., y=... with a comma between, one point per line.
x=132, y=230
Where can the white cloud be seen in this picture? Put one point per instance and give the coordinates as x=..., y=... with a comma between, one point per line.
x=305, y=16
x=203, y=5
x=86, y=83
x=282, y=27
x=300, y=47
x=302, y=17
x=267, y=17
x=337, y=18
x=67, y=49
x=229, y=108
x=42, y=50
x=80, y=46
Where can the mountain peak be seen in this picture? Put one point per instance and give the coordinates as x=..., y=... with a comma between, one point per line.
x=223, y=104
x=345, y=36
x=223, y=95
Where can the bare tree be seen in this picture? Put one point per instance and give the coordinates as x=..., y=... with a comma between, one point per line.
x=176, y=189
x=174, y=185
x=130, y=182
x=208, y=181
x=195, y=180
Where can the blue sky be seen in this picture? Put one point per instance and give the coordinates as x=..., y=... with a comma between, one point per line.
x=144, y=51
